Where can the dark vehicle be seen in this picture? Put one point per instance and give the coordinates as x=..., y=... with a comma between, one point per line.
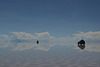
x=37, y=42
x=19, y=41
x=81, y=44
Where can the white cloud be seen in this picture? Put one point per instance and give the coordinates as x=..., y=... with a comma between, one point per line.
x=89, y=35
x=28, y=41
x=44, y=36
x=22, y=36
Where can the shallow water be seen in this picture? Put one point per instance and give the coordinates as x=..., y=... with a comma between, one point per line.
x=57, y=56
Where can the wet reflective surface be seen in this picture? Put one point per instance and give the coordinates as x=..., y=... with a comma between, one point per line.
x=58, y=56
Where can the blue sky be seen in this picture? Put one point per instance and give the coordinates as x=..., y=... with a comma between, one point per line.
x=58, y=17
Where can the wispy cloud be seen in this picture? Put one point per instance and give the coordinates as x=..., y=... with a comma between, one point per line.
x=28, y=41
x=88, y=35
x=22, y=36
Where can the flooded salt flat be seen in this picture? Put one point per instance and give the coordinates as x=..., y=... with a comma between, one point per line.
x=57, y=56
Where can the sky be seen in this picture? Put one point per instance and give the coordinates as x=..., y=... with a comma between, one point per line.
x=60, y=18
x=57, y=24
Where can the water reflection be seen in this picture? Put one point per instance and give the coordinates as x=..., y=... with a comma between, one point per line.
x=57, y=56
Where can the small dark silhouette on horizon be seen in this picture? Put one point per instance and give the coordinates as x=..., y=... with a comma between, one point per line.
x=37, y=42
x=81, y=44
x=19, y=41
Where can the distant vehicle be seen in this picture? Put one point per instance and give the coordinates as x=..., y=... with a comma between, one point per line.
x=81, y=44
x=37, y=42
x=19, y=41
